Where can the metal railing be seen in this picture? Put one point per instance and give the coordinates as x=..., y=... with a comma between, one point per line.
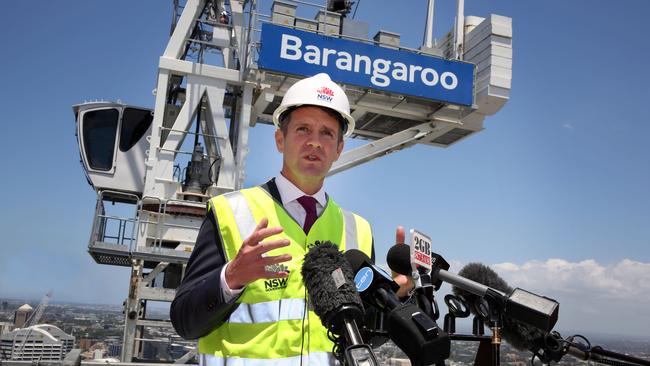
x=113, y=229
x=122, y=231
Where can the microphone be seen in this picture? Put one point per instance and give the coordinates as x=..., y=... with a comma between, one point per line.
x=412, y=330
x=519, y=335
x=328, y=279
x=539, y=311
x=399, y=259
x=374, y=285
x=420, y=263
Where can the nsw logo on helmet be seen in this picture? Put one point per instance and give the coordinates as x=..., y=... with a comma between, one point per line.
x=325, y=94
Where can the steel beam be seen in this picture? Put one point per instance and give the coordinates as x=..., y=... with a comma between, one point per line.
x=389, y=144
x=184, y=27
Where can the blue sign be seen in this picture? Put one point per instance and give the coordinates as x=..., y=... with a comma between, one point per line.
x=363, y=279
x=303, y=53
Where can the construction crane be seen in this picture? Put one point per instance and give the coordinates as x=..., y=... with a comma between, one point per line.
x=38, y=313
x=436, y=95
x=33, y=320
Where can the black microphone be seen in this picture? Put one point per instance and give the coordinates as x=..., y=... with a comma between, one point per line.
x=412, y=330
x=334, y=298
x=328, y=279
x=374, y=285
x=425, y=285
x=538, y=311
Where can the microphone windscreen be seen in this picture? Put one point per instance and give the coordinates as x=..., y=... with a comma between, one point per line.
x=327, y=291
x=399, y=259
x=484, y=275
x=519, y=335
x=356, y=259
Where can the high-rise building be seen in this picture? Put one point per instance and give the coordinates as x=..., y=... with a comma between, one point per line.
x=22, y=314
x=39, y=342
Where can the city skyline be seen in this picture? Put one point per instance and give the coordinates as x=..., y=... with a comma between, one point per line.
x=96, y=325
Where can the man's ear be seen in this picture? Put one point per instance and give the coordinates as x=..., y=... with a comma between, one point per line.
x=279, y=140
x=339, y=149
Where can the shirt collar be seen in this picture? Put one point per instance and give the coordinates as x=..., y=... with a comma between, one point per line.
x=289, y=192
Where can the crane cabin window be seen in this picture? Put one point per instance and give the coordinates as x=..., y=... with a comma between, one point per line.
x=135, y=122
x=99, y=132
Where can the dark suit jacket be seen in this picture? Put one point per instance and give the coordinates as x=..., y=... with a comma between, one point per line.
x=199, y=305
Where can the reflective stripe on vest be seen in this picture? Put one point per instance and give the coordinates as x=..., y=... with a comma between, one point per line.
x=312, y=359
x=350, y=231
x=269, y=311
x=243, y=216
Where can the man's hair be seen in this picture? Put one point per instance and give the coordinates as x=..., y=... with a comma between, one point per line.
x=285, y=118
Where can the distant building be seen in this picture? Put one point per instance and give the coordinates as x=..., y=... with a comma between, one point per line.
x=5, y=305
x=22, y=314
x=85, y=344
x=42, y=342
x=6, y=327
x=114, y=350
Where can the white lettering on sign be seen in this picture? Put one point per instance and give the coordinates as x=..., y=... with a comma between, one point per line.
x=295, y=47
x=382, y=71
x=452, y=83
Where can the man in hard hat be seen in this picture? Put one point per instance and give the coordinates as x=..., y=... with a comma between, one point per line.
x=243, y=294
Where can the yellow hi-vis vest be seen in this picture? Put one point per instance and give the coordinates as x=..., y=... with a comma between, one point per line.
x=269, y=326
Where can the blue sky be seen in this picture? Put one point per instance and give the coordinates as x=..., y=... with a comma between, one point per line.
x=553, y=193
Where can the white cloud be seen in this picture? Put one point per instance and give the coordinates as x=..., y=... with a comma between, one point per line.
x=626, y=279
x=568, y=126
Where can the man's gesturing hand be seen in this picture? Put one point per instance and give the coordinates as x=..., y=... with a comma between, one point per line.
x=405, y=282
x=250, y=263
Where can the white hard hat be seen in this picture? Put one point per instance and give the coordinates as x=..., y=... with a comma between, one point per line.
x=318, y=90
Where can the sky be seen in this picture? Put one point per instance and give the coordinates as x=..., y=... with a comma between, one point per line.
x=553, y=194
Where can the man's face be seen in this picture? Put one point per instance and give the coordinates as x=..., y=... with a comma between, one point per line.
x=310, y=146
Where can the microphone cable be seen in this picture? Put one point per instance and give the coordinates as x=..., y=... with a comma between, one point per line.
x=339, y=346
x=302, y=335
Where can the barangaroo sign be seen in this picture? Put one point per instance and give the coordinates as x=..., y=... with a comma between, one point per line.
x=298, y=52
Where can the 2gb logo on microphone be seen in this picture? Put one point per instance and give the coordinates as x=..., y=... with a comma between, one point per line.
x=421, y=249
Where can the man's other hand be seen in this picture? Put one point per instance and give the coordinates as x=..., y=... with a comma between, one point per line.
x=250, y=263
x=405, y=282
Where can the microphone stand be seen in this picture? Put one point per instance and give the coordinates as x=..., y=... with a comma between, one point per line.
x=495, y=326
x=425, y=300
x=496, y=307
x=458, y=308
x=355, y=351
x=490, y=309
x=423, y=293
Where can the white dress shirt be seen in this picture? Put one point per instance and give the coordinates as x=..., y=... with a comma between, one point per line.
x=289, y=194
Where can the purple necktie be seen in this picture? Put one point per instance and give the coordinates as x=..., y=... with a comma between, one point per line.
x=309, y=204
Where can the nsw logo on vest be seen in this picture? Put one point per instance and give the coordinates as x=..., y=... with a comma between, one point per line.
x=325, y=94
x=276, y=283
